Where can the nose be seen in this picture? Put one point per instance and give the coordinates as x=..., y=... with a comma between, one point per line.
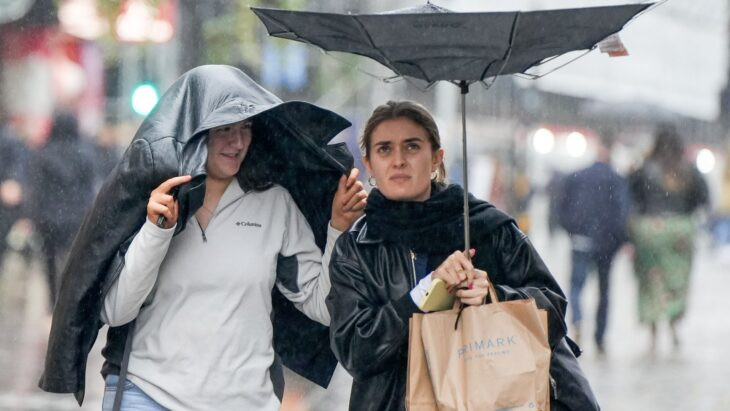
x=399, y=158
x=236, y=138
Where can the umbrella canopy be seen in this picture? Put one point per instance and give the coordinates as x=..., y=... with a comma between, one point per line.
x=431, y=43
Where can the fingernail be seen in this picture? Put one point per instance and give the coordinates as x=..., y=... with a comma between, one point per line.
x=470, y=285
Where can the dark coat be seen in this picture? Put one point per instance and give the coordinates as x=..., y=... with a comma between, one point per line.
x=170, y=142
x=13, y=160
x=62, y=176
x=657, y=189
x=372, y=275
x=595, y=204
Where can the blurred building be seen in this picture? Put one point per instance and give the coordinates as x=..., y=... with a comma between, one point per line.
x=42, y=67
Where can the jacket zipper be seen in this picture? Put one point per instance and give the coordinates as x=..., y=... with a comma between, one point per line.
x=413, y=267
x=202, y=232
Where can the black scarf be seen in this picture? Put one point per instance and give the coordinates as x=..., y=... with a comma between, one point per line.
x=435, y=225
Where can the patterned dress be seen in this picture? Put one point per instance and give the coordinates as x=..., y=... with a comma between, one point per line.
x=662, y=231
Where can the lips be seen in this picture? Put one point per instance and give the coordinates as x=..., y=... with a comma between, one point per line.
x=399, y=177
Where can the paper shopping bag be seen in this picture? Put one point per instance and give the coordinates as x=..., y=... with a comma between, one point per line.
x=419, y=393
x=495, y=357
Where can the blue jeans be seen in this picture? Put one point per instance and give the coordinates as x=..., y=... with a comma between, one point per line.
x=583, y=262
x=132, y=400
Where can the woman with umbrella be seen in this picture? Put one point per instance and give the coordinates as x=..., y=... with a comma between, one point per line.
x=195, y=304
x=412, y=233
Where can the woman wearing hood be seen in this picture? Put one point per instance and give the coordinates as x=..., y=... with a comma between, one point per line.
x=411, y=234
x=195, y=304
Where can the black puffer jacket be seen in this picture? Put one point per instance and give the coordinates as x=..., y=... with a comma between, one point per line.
x=372, y=273
x=170, y=142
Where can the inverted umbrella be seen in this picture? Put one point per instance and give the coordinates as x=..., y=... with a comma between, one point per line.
x=431, y=43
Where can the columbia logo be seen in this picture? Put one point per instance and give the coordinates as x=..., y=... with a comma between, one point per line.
x=247, y=224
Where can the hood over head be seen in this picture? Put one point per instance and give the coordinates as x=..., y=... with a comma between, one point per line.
x=215, y=95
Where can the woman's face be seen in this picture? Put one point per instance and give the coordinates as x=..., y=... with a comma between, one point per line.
x=402, y=160
x=227, y=147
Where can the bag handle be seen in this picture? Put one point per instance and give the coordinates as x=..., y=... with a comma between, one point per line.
x=491, y=295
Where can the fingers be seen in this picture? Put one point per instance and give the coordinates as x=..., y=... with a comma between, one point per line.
x=349, y=202
x=347, y=182
x=455, y=269
x=356, y=202
x=342, y=184
x=169, y=184
x=476, y=294
x=480, y=274
x=354, y=189
x=156, y=210
x=163, y=204
x=352, y=178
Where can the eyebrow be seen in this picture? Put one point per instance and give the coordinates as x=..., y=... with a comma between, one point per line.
x=408, y=140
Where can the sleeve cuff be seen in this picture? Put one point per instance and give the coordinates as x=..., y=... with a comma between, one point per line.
x=152, y=229
x=332, y=233
x=418, y=293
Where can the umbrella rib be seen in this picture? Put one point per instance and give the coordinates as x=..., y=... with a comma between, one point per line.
x=508, y=53
x=286, y=30
x=539, y=76
x=365, y=33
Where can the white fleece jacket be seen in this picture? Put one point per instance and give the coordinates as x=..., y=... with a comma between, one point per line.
x=202, y=300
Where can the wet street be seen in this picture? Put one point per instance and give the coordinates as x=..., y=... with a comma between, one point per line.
x=694, y=377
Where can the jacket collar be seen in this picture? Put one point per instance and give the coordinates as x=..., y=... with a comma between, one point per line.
x=365, y=236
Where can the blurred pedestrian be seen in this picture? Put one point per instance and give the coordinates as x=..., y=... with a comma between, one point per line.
x=666, y=190
x=13, y=183
x=411, y=234
x=721, y=223
x=555, y=191
x=62, y=183
x=187, y=241
x=106, y=155
x=594, y=209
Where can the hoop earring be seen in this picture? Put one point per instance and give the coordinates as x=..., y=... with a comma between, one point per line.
x=372, y=182
x=434, y=175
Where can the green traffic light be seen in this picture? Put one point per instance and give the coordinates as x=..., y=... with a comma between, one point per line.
x=144, y=99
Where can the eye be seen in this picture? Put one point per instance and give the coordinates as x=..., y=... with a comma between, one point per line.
x=383, y=149
x=413, y=147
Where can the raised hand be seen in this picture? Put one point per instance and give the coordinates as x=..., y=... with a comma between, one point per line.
x=349, y=202
x=163, y=204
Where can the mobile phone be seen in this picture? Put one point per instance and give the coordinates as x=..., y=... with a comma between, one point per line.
x=438, y=297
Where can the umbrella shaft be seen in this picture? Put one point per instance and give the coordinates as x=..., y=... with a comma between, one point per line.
x=464, y=172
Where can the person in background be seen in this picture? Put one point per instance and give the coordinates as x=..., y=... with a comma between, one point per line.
x=62, y=177
x=13, y=182
x=594, y=209
x=665, y=193
x=106, y=154
x=411, y=234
